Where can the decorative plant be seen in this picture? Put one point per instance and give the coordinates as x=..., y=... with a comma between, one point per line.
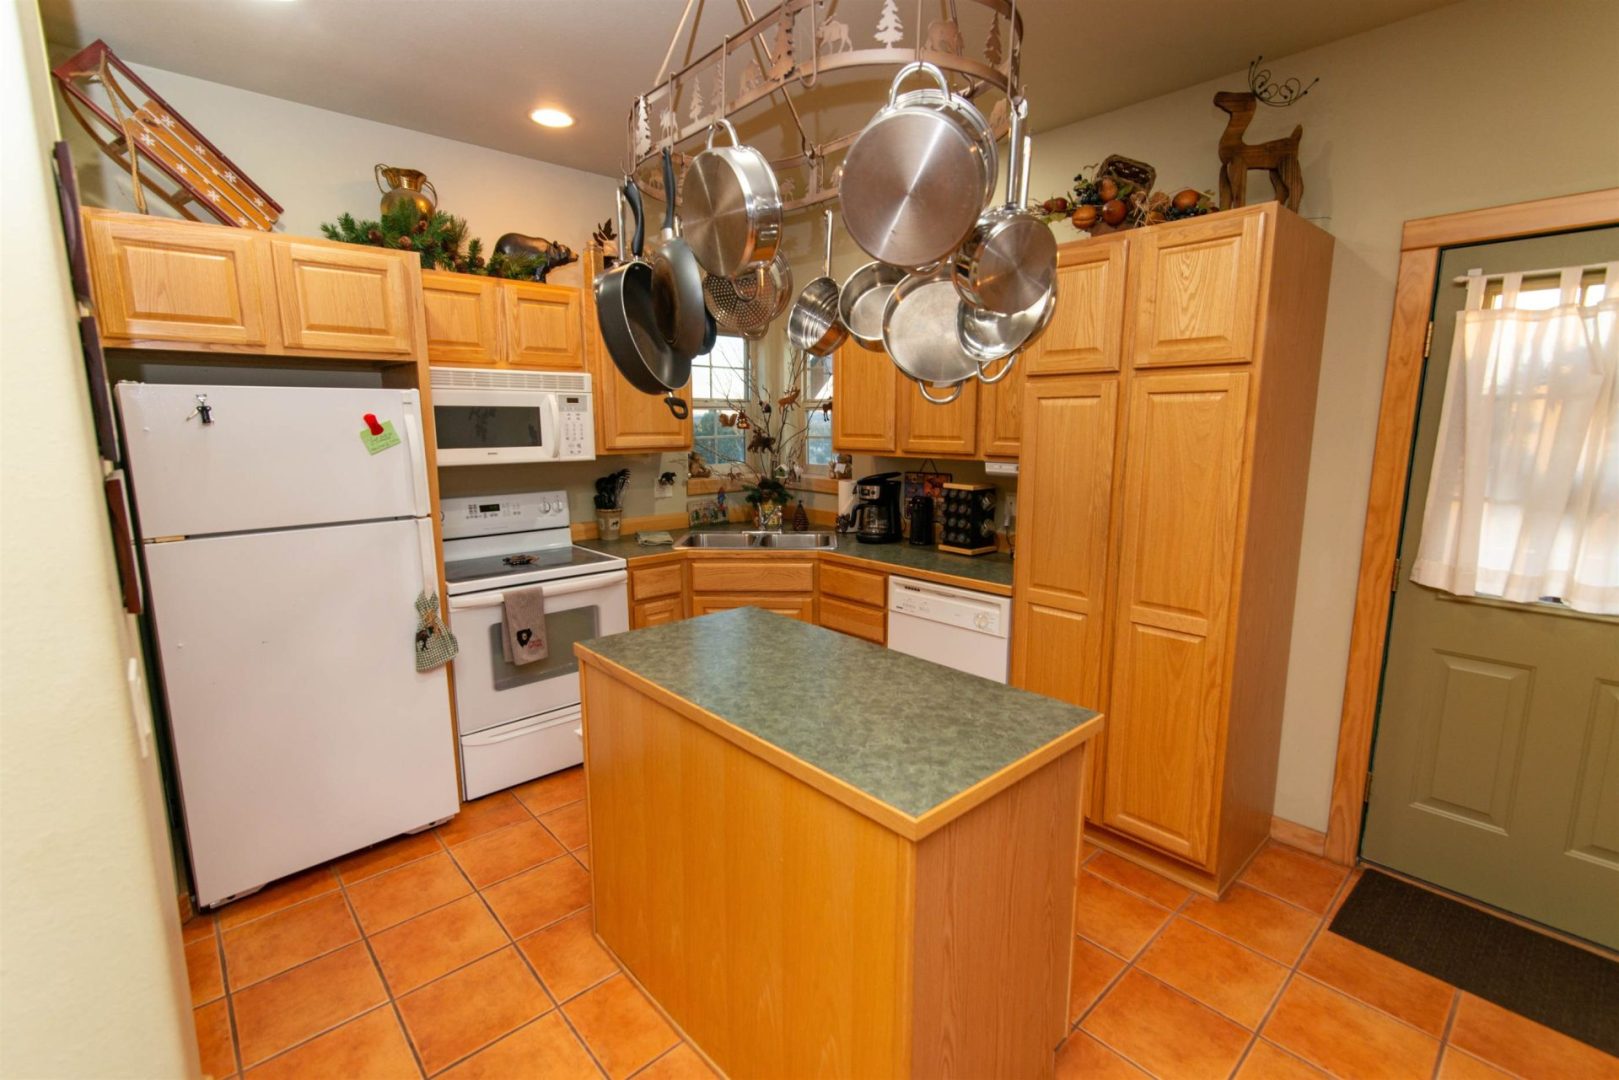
x=767, y=489
x=437, y=238
x=776, y=429
x=610, y=490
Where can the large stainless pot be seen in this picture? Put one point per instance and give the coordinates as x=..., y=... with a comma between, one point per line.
x=731, y=206
x=918, y=175
x=1008, y=262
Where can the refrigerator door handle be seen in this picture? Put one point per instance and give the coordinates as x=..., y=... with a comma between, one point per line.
x=424, y=539
x=418, y=460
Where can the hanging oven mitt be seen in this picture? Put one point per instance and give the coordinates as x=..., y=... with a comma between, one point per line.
x=435, y=645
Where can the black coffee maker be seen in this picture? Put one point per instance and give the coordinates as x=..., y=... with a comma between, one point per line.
x=876, y=515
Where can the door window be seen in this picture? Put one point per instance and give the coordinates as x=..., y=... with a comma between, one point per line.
x=483, y=427
x=562, y=629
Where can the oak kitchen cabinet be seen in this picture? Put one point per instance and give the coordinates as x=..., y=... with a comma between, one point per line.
x=864, y=382
x=188, y=285
x=657, y=593
x=877, y=410
x=487, y=322
x=1162, y=501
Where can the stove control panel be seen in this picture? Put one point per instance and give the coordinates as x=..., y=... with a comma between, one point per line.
x=489, y=515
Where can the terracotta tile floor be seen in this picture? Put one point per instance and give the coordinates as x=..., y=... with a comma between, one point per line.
x=467, y=952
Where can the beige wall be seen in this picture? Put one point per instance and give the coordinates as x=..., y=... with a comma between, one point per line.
x=92, y=983
x=1476, y=104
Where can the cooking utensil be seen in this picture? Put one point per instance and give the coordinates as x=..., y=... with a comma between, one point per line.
x=733, y=206
x=988, y=335
x=748, y=304
x=919, y=332
x=629, y=324
x=677, y=281
x=813, y=325
x=918, y=174
x=1009, y=259
x=862, y=299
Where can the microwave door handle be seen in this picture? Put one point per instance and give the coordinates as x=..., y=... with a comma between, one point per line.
x=553, y=418
x=562, y=588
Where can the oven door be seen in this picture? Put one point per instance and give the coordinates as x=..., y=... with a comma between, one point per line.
x=477, y=427
x=489, y=690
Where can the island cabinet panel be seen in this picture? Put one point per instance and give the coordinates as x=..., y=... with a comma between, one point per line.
x=542, y=326
x=338, y=298
x=864, y=382
x=628, y=420
x=463, y=316
x=162, y=282
x=1196, y=291
x=1176, y=565
x=943, y=430
x=1088, y=324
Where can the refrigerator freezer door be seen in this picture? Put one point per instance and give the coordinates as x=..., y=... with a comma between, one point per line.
x=270, y=457
x=301, y=727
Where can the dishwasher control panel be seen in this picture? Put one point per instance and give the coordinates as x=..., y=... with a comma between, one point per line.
x=950, y=610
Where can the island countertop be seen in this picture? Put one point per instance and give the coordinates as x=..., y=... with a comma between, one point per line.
x=903, y=740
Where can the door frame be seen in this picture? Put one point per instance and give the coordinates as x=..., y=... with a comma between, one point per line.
x=1414, y=289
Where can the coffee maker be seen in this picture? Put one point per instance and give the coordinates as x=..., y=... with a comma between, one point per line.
x=876, y=515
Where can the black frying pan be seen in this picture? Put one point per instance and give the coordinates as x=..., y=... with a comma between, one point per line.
x=629, y=325
x=677, y=282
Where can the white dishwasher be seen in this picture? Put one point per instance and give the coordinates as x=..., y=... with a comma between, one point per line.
x=959, y=628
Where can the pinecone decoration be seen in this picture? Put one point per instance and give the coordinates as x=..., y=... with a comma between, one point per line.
x=800, y=518
x=406, y=242
x=421, y=225
x=375, y=236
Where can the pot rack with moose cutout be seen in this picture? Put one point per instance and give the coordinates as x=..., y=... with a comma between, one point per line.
x=782, y=54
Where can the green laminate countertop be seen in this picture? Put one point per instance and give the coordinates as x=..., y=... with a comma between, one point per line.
x=906, y=732
x=990, y=569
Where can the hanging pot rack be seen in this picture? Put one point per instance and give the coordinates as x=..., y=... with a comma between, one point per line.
x=772, y=72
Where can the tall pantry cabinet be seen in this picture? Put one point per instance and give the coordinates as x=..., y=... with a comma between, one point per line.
x=1167, y=415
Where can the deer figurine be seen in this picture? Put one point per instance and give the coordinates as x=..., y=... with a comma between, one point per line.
x=1279, y=157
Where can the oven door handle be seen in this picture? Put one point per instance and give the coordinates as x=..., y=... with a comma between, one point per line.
x=561, y=588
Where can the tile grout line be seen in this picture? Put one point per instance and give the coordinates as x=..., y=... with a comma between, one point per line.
x=1129, y=965
x=230, y=1005
x=1450, y=1023
x=387, y=987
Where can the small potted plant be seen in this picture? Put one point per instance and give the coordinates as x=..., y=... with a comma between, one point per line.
x=609, y=503
x=767, y=497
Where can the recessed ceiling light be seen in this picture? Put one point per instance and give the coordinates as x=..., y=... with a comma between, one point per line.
x=552, y=118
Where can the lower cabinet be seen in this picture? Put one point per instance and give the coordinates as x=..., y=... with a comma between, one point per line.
x=656, y=612
x=854, y=601
x=801, y=608
x=657, y=594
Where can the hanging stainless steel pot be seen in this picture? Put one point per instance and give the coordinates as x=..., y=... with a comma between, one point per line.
x=918, y=175
x=732, y=208
x=919, y=332
x=988, y=335
x=863, y=298
x=813, y=325
x=1009, y=260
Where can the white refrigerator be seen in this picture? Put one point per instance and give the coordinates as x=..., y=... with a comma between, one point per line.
x=283, y=558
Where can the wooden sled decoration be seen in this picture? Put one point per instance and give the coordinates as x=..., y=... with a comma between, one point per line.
x=151, y=141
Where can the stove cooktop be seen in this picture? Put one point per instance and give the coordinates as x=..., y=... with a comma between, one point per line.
x=546, y=564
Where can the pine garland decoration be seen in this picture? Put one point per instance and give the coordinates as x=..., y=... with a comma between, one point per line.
x=438, y=239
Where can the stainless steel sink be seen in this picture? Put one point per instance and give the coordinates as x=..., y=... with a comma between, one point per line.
x=817, y=541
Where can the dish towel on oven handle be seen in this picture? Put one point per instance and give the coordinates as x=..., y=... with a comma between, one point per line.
x=522, y=634
x=435, y=645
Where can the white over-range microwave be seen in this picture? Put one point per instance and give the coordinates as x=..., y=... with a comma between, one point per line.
x=497, y=416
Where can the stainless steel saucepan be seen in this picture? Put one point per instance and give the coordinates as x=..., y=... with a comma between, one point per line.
x=862, y=299
x=987, y=335
x=919, y=174
x=1009, y=259
x=814, y=325
x=919, y=332
x=732, y=207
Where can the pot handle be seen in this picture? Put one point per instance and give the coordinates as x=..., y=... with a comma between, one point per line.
x=677, y=406
x=911, y=69
x=722, y=122
x=1006, y=369
x=668, y=193
x=632, y=195
x=1016, y=152
x=954, y=394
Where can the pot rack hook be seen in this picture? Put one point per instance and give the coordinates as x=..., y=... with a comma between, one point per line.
x=815, y=48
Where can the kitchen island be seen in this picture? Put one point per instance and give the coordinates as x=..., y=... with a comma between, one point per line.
x=820, y=857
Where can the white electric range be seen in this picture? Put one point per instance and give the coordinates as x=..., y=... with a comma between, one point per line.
x=521, y=722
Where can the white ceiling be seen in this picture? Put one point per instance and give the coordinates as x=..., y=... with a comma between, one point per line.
x=472, y=69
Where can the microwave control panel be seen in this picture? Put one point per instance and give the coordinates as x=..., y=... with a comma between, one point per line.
x=578, y=439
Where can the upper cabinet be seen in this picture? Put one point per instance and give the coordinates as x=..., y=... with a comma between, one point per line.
x=1196, y=291
x=542, y=326
x=863, y=400
x=341, y=298
x=161, y=283
x=928, y=429
x=204, y=285
x=1000, y=412
x=1088, y=325
x=628, y=421
x=464, y=318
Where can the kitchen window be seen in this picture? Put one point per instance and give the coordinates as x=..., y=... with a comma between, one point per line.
x=817, y=391
x=717, y=377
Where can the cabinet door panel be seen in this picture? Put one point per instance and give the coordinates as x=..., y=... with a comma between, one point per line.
x=1088, y=324
x=463, y=318
x=863, y=400
x=928, y=429
x=341, y=299
x=627, y=420
x=856, y=620
x=1000, y=413
x=801, y=608
x=1181, y=506
x=656, y=612
x=542, y=326
x=169, y=281
x=1196, y=293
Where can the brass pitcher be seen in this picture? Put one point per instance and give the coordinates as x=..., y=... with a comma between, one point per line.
x=406, y=185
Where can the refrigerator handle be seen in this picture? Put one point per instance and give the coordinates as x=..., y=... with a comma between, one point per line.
x=418, y=462
x=424, y=539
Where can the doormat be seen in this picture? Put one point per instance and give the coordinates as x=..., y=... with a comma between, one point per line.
x=1549, y=981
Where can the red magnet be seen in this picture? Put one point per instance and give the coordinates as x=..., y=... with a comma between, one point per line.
x=371, y=422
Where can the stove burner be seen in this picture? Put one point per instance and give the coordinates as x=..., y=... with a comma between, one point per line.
x=520, y=560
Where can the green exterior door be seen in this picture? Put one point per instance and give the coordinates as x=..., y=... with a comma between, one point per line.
x=1495, y=770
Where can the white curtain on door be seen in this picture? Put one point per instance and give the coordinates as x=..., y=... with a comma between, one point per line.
x=1523, y=501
